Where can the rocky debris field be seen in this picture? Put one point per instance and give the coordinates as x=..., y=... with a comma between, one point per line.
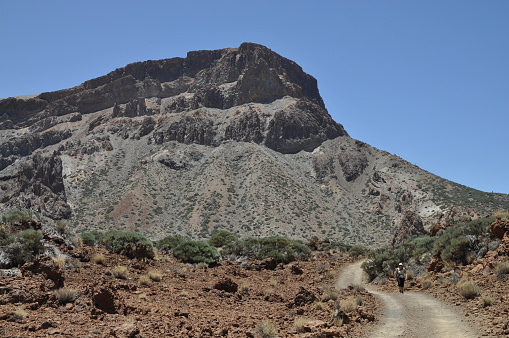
x=90, y=292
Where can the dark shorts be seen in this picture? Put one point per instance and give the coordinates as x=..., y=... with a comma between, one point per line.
x=401, y=281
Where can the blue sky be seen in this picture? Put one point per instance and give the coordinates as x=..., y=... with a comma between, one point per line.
x=425, y=80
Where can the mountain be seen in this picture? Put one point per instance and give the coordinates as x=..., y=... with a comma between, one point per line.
x=237, y=139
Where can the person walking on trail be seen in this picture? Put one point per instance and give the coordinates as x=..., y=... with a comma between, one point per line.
x=400, y=275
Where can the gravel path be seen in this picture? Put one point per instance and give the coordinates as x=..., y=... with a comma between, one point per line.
x=412, y=314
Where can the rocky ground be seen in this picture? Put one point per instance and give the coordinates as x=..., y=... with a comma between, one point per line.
x=181, y=300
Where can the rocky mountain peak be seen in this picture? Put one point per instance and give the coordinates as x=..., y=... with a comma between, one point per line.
x=183, y=90
x=234, y=139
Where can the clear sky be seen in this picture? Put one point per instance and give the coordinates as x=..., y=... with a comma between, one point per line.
x=425, y=80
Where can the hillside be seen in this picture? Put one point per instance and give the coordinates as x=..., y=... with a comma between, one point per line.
x=236, y=139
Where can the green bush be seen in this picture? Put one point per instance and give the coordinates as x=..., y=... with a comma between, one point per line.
x=116, y=241
x=15, y=216
x=196, y=252
x=222, y=238
x=282, y=249
x=23, y=247
x=169, y=243
x=457, y=250
x=91, y=238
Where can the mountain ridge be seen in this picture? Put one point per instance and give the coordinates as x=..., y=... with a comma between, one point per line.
x=236, y=139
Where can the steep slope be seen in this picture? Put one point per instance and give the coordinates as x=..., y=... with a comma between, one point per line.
x=236, y=139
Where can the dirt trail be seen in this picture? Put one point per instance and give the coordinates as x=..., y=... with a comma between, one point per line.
x=411, y=314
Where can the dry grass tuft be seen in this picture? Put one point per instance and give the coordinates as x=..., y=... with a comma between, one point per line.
x=154, y=275
x=98, y=259
x=66, y=295
x=349, y=304
x=299, y=323
x=19, y=314
x=502, y=269
x=468, y=289
x=60, y=261
x=120, y=272
x=244, y=288
x=487, y=300
x=145, y=280
x=266, y=329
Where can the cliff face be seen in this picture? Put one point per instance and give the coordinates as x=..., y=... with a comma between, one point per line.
x=220, y=79
x=236, y=139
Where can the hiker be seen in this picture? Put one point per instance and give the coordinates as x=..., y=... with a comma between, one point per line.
x=400, y=275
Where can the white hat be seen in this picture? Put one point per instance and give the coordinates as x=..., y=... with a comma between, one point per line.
x=400, y=264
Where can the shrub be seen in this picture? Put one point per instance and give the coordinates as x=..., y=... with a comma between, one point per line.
x=169, y=243
x=330, y=294
x=266, y=329
x=62, y=228
x=66, y=295
x=23, y=247
x=98, y=258
x=19, y=314
x=348, y=304
x=116, y=241
x=299, y=323
x=60, y=261
x=145, y=280
x=90, y=238
x=468, y=289
x=487, y=300
x=222, y=238
x=16, y=216
x=244, y=288
x=156, y=276
x=502, y=269
x=120, y=272
x=283, y=250
x=196, y=252
x=357, y=251
x=457, y=250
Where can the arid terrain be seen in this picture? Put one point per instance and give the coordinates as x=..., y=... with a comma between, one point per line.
x=229, y=300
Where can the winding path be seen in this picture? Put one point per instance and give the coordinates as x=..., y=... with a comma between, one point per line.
x=411, y=314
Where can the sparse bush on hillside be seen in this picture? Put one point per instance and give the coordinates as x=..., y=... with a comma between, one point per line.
x=222, y=238
x=196, y=252
x=116, y=241
x=284, y=250
x=16, y=215
x=22, y=247
x=91, y=238
x=168, y=243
